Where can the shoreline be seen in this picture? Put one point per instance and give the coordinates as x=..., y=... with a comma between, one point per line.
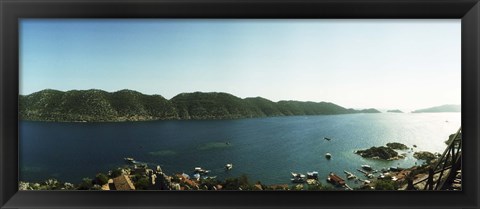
x=206, y=119
x=140, y=172
x=227, y=119
x=182, y=181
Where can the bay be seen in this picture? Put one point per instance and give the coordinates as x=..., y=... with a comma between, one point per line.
x=265, y=149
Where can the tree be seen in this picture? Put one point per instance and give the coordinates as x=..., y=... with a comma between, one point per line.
x=385, y=185
x=317, y=187
x=51, y=184
x=86, y=184
x=101, y=179
x=209, y=183
x=142, y=183
x=116, y=173
x=243, y=180
x=238, y=183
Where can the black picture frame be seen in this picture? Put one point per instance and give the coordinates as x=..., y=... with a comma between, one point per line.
x=11, y=10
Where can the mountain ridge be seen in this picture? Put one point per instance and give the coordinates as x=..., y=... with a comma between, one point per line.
x=441, y=108
x=96, y=105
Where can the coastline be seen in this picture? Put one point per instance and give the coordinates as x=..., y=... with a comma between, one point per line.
x=140, y=177
x=307, y=163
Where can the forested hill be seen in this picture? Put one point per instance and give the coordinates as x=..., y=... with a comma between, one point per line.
x=127, y=105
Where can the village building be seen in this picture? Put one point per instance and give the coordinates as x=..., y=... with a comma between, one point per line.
x=122, y=182
x=189, y=183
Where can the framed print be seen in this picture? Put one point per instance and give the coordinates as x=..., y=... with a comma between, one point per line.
x=239, y=104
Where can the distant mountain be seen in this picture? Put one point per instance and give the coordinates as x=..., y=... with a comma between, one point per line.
x=127, y=105
x=370, y=110
x=443, y=108
x=395, y=111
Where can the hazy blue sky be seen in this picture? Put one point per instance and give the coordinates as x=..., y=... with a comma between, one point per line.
x=406, y=64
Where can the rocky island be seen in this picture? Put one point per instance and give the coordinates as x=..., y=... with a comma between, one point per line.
x=424, y=155
x=383, y=152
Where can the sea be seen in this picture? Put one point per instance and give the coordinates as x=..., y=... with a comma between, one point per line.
x=264, y=149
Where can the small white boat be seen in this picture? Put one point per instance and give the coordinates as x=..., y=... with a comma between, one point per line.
x=298, y=178
x=130, y=160
x=328, y=155
x=350, y=175
x=200, y=170
x=209, y=177
x=312, y=175
x=229, y=166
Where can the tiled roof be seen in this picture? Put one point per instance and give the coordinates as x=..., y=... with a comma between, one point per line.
x=123, y=182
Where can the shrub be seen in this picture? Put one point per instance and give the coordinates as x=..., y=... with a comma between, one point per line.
x=385, y=185
x=101, y=179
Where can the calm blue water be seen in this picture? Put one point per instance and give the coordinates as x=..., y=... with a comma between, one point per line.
x=266, y=149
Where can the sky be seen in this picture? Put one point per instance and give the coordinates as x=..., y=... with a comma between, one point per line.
x=383, y=64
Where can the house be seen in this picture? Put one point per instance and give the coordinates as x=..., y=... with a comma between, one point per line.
x=122, y=182
x=184, y=178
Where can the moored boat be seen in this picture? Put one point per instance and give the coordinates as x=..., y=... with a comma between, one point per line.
x=209, y=177
x=312, y=175
x=366, y=167
x=130, y=160
x=298, y=178
x=328, y=155
x=350, y=175
x=228, y=166
x=334, y=179
x=200, y=170
x=395, y=169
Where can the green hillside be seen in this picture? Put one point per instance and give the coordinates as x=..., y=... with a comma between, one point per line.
x=127, y=105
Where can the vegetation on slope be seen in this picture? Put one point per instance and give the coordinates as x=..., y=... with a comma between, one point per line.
x=382, y=152
x=127, y=105
x=396, y=145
